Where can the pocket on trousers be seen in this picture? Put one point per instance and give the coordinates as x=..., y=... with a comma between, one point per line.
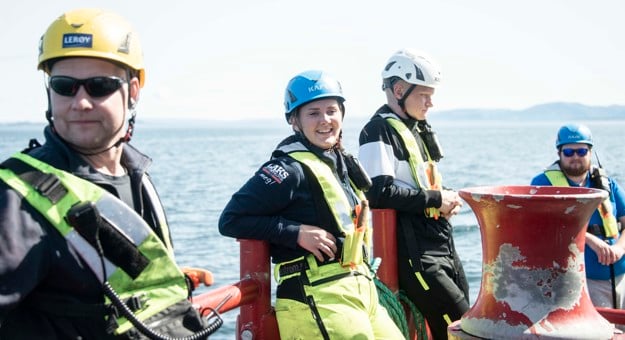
x=436, y=229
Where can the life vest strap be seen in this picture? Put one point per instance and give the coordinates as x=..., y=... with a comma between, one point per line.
x=116, y=247
x=48, y=185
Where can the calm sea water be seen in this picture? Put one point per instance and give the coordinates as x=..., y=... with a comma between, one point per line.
x=197, y=167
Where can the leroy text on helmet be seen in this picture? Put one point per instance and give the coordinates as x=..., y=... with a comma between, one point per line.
x=77, y=40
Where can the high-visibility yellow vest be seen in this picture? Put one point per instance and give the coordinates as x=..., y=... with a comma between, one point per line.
x=424, y=171
x=157, y=280
x=337, y=201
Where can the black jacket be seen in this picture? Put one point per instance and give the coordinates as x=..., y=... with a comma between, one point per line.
x=384, y=156
x=39, y=273
x=281, y=196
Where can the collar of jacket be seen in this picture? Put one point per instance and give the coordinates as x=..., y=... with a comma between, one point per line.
x=56, y=153
x=409, y=122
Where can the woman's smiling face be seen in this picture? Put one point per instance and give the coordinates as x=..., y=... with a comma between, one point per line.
x=320, y=121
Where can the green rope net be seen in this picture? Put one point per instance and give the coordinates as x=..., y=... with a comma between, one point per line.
x=393, y=304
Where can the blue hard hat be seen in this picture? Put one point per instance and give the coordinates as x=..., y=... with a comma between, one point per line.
x=574, y=133
x=308, y=86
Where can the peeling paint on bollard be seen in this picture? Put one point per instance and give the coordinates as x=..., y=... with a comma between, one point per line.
x=533, y=277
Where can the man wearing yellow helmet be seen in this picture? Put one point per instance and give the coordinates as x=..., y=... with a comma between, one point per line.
x=85, y=250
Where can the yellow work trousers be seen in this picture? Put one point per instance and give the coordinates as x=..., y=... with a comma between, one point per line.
x=342, y=304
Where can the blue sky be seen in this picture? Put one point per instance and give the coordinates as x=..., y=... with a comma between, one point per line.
x=232, y=59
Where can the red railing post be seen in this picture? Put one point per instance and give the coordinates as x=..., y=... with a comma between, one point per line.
x=385, y=246
x=257, y=319
x=384, y=223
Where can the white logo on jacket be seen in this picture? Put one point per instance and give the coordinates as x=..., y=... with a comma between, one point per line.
x=276, y=172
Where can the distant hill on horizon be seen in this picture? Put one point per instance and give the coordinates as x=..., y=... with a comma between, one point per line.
x=556, y=111
x=542, y=112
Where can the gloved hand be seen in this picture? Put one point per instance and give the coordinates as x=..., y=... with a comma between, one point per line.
x=197, y=276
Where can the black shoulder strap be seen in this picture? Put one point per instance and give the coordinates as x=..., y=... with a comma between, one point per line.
x=48, y=185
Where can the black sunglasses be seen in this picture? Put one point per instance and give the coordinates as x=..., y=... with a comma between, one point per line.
x=95, y=86
x=570, y=152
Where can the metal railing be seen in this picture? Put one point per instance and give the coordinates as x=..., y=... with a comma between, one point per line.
x=252, y=294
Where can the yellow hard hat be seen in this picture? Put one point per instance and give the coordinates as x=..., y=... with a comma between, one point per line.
x=92, y=33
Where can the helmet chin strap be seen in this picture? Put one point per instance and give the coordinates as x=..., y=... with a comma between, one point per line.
x=125, y=139
x=401, y=101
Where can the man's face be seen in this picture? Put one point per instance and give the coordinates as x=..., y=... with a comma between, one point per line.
x=89, y=123
x=571, y=162
x=418, y=101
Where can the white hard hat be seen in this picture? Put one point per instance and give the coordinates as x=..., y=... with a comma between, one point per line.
x=414, y=67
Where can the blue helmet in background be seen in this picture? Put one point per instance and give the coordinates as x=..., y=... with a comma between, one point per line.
x=308, y=86
x=574, y=133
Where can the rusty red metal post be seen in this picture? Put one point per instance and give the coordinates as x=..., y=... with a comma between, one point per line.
x=233, y=296
x=252, y=294
x=384, y=223
x=257, y=319
x=385, y=246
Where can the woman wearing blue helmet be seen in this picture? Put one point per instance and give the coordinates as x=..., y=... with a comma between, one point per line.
x=305, y=201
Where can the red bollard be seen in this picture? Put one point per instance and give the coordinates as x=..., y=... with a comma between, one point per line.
x=533, y=276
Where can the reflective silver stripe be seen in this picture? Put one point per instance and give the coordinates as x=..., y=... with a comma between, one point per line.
x=159, y=211
x=89, y=255
x=389, y=115
x=297, y=146
x=124, y=219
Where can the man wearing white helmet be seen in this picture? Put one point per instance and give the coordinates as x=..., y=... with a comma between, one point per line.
x=604, y=250
x=399, y=151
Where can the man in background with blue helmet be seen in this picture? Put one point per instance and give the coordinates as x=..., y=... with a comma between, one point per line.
x=305, y=202
x=399, y=151
x=603, y=254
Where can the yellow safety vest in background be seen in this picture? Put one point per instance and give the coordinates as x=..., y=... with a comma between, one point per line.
x=610, y=226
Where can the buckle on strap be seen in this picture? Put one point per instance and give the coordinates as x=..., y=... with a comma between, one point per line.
x=48, y=185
